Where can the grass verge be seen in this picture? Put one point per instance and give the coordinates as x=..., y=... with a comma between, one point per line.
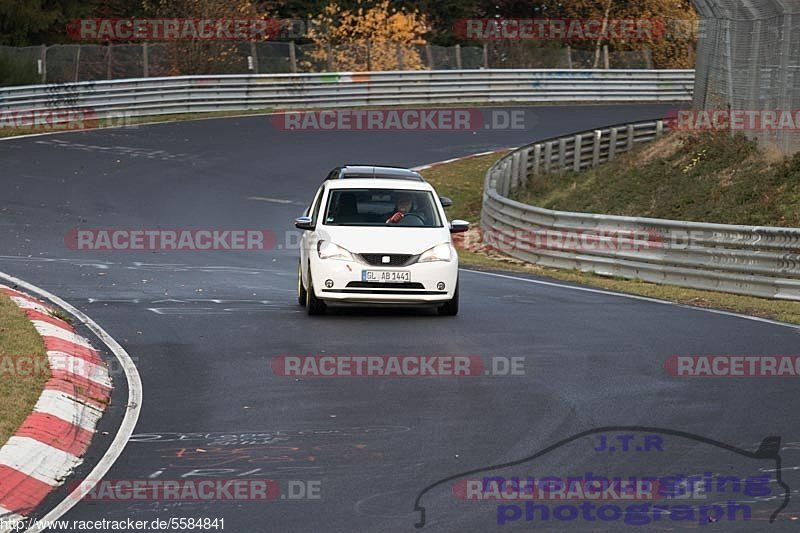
x=463, y=182
x=22, y=354
x=702, y=177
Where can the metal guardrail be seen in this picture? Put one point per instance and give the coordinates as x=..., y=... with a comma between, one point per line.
x=750, y=260
x=189, y=94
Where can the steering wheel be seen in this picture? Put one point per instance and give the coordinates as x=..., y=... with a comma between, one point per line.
x=411, y=219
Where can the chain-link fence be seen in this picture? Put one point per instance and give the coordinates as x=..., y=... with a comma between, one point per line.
x=89, y=62
x=748, y=63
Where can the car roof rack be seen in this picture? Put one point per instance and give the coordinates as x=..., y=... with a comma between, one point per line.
x=374, y=171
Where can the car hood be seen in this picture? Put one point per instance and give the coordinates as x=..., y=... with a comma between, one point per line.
x=397, y=240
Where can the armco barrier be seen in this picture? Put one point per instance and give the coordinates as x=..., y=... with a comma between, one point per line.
x=190, y=94
x=749, y=260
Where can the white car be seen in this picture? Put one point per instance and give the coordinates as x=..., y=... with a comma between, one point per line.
x=377, y=235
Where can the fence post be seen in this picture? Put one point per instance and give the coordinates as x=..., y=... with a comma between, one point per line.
x=145, y=60
x=429, y=55
x=43, y=59
x=292, y=58
x=458, y=56
x=659, y=128
x=612, y=144
x=576, y=163
x=648, y=58
x=329, y=49
x=569, y=57
x=605, y=57
x=399, y=56
x=598, y=136
x=108, y=61
x=537, y=155
x=77, y=63
x=485, y=55
x=369, y=55
x=254, y=55
x=562, y=154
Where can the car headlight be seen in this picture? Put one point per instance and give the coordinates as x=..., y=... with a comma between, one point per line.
x=328, y=250
x=440, y=252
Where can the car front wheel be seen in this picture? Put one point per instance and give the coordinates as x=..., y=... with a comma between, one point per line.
x=314, y=305
x=450, y=308
x=301, y=290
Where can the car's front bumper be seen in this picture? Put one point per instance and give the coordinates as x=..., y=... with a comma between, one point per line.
x=341, y=281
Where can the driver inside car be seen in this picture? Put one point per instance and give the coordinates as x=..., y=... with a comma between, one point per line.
x=402, y=205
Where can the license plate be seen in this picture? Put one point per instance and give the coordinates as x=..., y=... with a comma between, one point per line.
x=382, y=276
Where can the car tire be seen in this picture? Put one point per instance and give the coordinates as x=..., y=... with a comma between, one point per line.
x=314, y=305
x=450, y=308
x=301, y=290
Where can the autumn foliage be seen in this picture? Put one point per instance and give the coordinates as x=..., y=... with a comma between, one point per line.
x=369, y=37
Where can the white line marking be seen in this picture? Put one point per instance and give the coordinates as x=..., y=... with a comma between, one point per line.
x=132, y=410
x=273, y=200
x=38, y=460
x=636, y=297
x=68, y=408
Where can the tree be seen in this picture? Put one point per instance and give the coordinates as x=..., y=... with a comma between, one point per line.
x=368, y=37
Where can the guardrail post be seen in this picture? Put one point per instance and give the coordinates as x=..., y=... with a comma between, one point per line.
x=576, y=164
x=598, y=137
x=458, y=56
x=659, y=128
x=329, y=53
x=506, y=177
x=514, y=181
x=522, y=170
x=612, y=144
x=562, y=154
x=429, y=55
x=537, y=156
x=630, y=137
x=145, y=61
x=485, y=55
x=548, y=156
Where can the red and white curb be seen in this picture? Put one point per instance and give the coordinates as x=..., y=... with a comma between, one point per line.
x=49, y=444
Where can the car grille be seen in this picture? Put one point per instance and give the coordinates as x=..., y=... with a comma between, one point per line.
x=387, y=285
x=395, y=260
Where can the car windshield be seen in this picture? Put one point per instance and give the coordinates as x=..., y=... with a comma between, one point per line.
x=382, y=207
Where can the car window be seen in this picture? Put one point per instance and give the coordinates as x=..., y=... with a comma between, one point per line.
x=313, y=209
x=380, y=207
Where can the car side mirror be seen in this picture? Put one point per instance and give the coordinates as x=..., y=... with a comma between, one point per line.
x=445, y=201
x=459, y=226
x=304, y=223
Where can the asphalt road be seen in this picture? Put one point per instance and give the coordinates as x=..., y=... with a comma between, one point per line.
x=203, y=328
